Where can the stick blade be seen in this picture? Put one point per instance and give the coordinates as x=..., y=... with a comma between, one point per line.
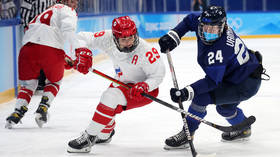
x=249, y=121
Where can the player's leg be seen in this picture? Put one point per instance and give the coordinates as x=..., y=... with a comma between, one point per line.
x=50, y=91
x=227, y=97
x=113, y=101
x=28, y=74
x=105, y=136
x=53, y=66
x=103, y=116
x=233, y=115
x=198, y=108
x=24, y=97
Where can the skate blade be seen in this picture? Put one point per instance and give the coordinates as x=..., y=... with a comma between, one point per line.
x=103, y=141
x=184, y=146
x=83, y=150
x=237, y=140
x=38, y=120
x=9, y=125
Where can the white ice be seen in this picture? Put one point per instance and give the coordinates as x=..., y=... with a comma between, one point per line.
x=141, y=132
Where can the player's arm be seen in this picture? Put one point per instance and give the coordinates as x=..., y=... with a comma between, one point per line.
x=95, y=40
x=83, y=56
x=86, y=39
x=68, y=26
x=154, y=68
x=172, y=39
x=211, y=81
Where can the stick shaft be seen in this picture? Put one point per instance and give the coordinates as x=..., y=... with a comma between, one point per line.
x=186, y=127
x=222, y=128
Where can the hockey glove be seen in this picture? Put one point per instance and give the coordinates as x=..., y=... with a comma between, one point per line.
x=68, y=62
x=84, y=60
x=184, y=94
x=137, y=89
x=169, y=41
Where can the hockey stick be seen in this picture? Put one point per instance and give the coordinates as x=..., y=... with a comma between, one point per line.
x=248, y=121
x=186, y=128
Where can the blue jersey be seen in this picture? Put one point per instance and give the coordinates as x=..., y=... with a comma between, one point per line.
x=227, y=59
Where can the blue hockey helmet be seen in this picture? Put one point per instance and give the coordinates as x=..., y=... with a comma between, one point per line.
x=212, y=22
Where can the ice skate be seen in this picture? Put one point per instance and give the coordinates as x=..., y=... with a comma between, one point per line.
x=239, y=135
x=107, y=140
x=81, y=144
x=41, y=115
x=178, y=141
x=15, y=117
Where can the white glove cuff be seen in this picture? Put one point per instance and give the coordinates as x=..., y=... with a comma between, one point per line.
x=174, y=36
x=190, y=92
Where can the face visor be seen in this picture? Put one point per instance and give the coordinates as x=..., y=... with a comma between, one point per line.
x=211, y=33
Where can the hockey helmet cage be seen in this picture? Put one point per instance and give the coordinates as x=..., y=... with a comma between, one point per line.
x=213, y=17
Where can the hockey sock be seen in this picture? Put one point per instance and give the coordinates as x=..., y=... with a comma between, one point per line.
x=101, y=118
x=237, y=117
x=106, y=132
x=24, y=97
x=50, y=91
x=192, y=123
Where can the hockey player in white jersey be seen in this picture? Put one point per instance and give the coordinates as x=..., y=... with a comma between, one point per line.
x=42, y=48
x=136, y=63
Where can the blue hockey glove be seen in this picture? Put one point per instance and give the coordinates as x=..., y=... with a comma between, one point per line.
x=184, y=94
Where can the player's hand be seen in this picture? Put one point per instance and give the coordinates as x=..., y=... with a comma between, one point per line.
x=184, y=94
x=169, y=41
x=137, y=89
x=84, y=60
x=68, y=62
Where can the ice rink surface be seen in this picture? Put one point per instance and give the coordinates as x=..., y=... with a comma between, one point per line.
x=141, y=132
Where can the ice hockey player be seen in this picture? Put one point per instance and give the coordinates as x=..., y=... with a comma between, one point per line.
x=42, y=48
x=136, y=63
x=29, y=9
x=233, y=72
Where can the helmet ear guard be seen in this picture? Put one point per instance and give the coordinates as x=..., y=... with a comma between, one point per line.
x=123, y=27
x=213, y=17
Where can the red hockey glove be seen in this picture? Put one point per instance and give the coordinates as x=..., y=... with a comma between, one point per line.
x=84, y=60
x=68, y=62
x=137, y=89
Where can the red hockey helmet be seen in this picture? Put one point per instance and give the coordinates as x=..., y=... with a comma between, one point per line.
x=123, y=27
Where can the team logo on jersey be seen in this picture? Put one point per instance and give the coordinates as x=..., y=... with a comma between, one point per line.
x=118, y=72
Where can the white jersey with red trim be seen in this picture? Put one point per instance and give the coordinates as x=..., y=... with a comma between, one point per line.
x=142, y=64
x=53, y=27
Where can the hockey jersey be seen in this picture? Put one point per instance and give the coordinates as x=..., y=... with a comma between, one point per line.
x=227, y=59
x=53, y=27
x=142, y=64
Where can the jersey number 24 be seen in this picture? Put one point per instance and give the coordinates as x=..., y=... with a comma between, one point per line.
x=239, y=50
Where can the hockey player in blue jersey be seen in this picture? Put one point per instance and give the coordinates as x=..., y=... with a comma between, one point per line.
x=233, y=72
